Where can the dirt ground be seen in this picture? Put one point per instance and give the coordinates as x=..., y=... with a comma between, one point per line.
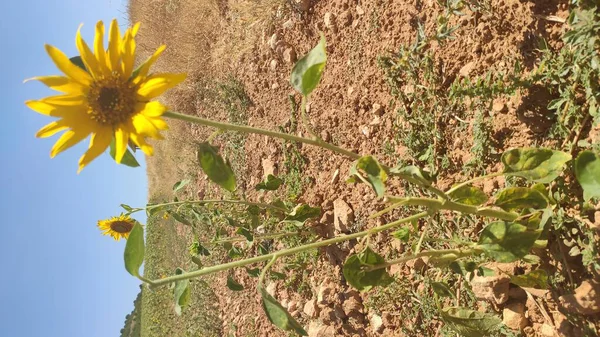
x=256, y=44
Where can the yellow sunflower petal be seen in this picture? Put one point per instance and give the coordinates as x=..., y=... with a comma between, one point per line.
x=99, y=48
x=99, y=141
x=151, y=109
x=65, y=65
x=88, y=58
x=114, y=45
x=144, y=127
x=142, y=144
x=60, y=83
x=68, y=139
x=135, y=29
x=54, y=110
x=157, y=84
x=145, y=67
x=52, y=128
x=121, y=139
x=128, y=54
x=66, y=100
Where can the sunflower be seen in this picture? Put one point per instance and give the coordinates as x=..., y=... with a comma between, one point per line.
x=108, y=100
x=118, y=226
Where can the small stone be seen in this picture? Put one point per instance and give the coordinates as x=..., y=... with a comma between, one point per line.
x=377, y=109
x=311, y=309
x=466, y=69
x=303, y=5
x=289, y=24
x=365, y=130
x=335, y=178
x=376, y=323
x=317, y=329
x=289, y=55
x=352, y=307
x=376, y=121
x=585, y=301
x=275, y=86
x=325, y=294
x=360, y=10
x=268, y=167
x=513, y=316
x=499, y=106
x=329, y=20
x=547, y=330
x=273, y=65
x=327, y=218
x=327, y=315
x=345, y=18
x=272, y=288
x=273, y=41
x=491, y=288
x=343, y=215
x=325, y=136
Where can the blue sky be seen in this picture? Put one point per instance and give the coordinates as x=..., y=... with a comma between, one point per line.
x=59, y=276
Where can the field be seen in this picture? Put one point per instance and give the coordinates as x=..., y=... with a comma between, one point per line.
x=447, y=86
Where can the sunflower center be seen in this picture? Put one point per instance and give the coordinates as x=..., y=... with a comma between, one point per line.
x=111, y=100
x=121, y=226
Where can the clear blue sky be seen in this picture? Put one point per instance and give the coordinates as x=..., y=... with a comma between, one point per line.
x=60, y=277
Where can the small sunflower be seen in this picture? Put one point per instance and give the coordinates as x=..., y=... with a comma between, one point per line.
x=108, y=101
x=118, y=226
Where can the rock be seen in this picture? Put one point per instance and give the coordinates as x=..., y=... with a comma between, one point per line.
x=513, y=316
x=303, y=5
x=352, y=307
x=317, y=329
x=345, y=18
x=289, y=55
x=376, y=323
x=325, y=136
x=499, y=106
x=466, y=69
x=326, y=292
x=289, y=24
x=360, y=10
x=311, y=309
x=275, y=86
x=343, y=215
x=491, y=288
x=547, y=330
x=376, y=109
x=273, y=41
x=272, y=288
x=327, y=315
x=376, y=121
x=585, y=301
x=329, y=20
x=273, y=65
x=335, y=177
x=339, y=312
x=365, y=130
x=327, y=218
x=269, y=167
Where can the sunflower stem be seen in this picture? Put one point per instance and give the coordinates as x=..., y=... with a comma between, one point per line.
x=286, y=252
x=215, y=201
x=248, y=129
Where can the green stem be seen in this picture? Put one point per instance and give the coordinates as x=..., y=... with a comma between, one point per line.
x=286, y=252
x=249, y=129
x=470, y=181
x=456, y=253
x=263, y=273
x=305, y=119
x=216, y=201
x=259, y=237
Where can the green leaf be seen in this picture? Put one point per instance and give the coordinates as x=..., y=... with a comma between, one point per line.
x=179, y=218
x=278, y=315
x=469, y=195
x=277, y=275
x=127, y=207
x=539, y=165
x=271, y=183
x=587, y=171
x=215, y=167
x=246, y=233
x=135, y=250
x=537, y=278
x=402, y=234
x=463, y=267
x=253, y=272
x=181, y=293
x=513, y=198
x=234, y=252
x=233, y=284
x=78, y=61
x=442, y=289
x=153, y=210
x=470, y=323
x=180, y=184
x=369, y=171
x=412, y=174
x=307, y=72
x=359, y=277
x=128, y=158
x=507, y=241
x=301, y=213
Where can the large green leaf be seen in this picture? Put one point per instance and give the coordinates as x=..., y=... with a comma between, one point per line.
x=469, y=195
x=135, y=250
x=215, y=167
x=369, y=171
x=127, y=160
x=539, y=165
x=537, y=278
x=180, y=184
x=587, y=171
x=412, y=174
x=513, y=198
x=233, y=284
x=356, y=273
x=470, y=323
x=307, y=72
x=506, y=241
x=271, y=183
x=181, y=293
x=278, y=315
x=301, y=213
